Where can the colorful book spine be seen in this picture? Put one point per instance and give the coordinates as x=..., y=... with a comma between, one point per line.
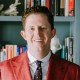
x=31, y=3
x=7, y=51
x=10, y=51
x=16, y=50
x=48, y=4
x=63, y=53
x=71, y=8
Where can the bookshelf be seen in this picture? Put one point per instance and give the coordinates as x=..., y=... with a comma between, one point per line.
x=10, y=27
x=56, y=18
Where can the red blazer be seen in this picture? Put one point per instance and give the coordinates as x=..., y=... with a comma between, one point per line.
x=17, y=68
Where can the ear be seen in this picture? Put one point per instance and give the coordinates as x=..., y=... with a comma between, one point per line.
x=23, y=34
x=53, y=32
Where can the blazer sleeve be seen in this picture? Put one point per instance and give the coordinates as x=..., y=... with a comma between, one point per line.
x=73, y=72
x=78, y=74
x=0, y=74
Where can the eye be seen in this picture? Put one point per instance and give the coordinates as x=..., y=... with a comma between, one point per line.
x=31, y=29
x=43, y=28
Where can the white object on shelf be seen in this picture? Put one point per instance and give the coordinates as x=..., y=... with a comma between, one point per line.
x=55, y=44
x=1, y=6
x=12, y=10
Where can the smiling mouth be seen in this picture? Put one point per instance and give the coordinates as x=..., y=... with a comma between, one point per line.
x=38, y=40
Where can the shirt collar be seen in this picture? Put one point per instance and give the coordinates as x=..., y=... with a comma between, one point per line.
x=32, y=59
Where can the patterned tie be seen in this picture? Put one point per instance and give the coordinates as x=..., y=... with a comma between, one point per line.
x=38, y=73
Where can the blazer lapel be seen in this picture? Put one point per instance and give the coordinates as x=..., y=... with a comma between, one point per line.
x=56, y=68
x=21, y=67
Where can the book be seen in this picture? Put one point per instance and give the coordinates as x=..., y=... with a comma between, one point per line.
x=37, y=3
x=1, y=56
x=48, y=3
x=62, y=7
x=16, y=50
x=43, y=2
x=66, y=7
x=71, y=8
x=63, y=52
x=52, y=6
x=10, y=51
x=6, y=47
x=57, y=7
x=28, y=3
x=69, y=44
x=31, y=3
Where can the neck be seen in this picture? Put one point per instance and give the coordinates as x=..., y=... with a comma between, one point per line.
x=39, y=54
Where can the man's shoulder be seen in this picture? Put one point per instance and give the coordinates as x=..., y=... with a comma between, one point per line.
x=15, y=59
x=62, y=62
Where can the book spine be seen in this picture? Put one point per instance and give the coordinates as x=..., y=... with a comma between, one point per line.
x=66, y=7
x=52, y=7
x=24, y=48
x=63, y=53
x=6, y=46
x=69, y=44
x=43, y=2
x=31, y=3
x=2, y=56
x=48, y=4
x=37, y=3
x=61, y=7
x=57, y=7
x=10, y=53
x=28, y=3
x=71, y=8
x=15, y=50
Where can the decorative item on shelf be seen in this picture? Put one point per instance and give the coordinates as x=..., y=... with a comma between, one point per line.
x=12, y=10
x=55, y=44
x=1, y=7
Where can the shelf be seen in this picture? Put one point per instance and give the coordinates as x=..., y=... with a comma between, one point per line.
x=10, y=18
x=56, y=18
x=64, y=19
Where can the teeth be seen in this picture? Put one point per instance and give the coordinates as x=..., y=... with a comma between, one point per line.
x=38, y=40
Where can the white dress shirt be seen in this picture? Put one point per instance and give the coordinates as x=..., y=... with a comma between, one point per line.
x=44, y=65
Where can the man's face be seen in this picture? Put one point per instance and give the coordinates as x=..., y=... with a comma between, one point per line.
x=37, y=32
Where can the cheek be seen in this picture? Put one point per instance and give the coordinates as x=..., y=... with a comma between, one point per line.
x=29, y=37
x=48, y=36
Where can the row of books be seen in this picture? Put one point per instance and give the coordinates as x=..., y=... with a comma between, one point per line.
x=10, y=51
x=68, y=49
x=57, y=7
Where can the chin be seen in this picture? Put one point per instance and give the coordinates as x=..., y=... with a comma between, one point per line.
x=39, y=49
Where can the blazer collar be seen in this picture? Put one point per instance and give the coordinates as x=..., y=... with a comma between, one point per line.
x=21, y=68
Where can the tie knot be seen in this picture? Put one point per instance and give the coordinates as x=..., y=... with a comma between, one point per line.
x=38, y=63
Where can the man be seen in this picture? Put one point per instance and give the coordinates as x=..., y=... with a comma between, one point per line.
x=38, y=30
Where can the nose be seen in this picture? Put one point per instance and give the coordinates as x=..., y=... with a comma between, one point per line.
x=38, y=32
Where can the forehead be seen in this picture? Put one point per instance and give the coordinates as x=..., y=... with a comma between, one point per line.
x=36, y=17
x=36, y=20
